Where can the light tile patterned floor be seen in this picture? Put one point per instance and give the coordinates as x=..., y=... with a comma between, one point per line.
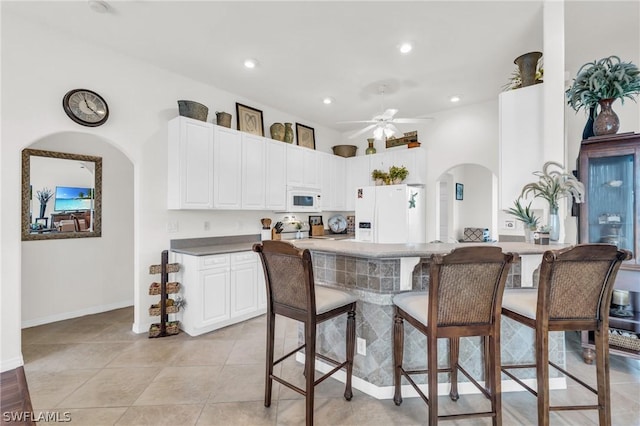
x=103, y=374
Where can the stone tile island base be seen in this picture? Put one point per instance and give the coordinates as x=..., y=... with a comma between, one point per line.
x=374, y=281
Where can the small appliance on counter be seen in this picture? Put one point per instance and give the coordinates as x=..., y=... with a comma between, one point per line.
x=293, y=228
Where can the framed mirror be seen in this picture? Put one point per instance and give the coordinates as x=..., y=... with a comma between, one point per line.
x=61, y=195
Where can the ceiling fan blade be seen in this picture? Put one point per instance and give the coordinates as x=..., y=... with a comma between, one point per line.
x=388, y=114
x=411, y=120
x=362, y=131
x=394, y=129
x=360, y=121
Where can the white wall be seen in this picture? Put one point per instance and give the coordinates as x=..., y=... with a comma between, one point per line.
x=475, y=210
x=41, y=65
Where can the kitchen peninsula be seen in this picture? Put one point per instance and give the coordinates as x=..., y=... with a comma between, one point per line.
x=374, y=273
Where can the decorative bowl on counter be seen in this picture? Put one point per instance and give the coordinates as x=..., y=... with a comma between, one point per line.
x=345, y=150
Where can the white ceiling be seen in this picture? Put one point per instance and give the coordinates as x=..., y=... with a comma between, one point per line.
x=309, y=50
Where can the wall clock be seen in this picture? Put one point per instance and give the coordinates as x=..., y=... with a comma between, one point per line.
x=85, y=107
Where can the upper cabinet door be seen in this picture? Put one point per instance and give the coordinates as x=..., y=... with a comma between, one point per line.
x=276, y=176
x=190, y=164
x=311, y=171
x=227, y=168
x=295, y=166
x=253, y=172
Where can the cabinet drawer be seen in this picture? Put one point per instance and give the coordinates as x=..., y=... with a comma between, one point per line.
x=214, y=261
x=244, y=257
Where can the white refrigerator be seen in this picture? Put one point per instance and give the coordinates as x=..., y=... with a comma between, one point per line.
x=390, y=214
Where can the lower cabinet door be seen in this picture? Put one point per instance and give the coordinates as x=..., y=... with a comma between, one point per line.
x=216, y=284
x=244, y=296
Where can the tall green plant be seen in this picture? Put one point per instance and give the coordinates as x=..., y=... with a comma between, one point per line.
x=554, y=185
x=607, y=78
x=524, y=214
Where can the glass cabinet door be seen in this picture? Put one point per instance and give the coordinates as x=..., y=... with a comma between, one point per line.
x=611, y=201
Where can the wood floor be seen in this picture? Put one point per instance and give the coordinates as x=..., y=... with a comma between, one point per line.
x=98, y=372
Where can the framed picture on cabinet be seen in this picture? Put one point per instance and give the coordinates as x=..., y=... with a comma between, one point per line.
x=459, y=191
x=249, y=120
x=305, y=136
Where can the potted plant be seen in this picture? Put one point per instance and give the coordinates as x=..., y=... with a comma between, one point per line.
x=379, y=177
x=600, y=83
x=44, y=195
x=554, y=184
x=398, y=174
x=526, y=216
x=515, y=81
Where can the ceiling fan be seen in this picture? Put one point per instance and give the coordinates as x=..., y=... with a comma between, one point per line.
x=384, y=124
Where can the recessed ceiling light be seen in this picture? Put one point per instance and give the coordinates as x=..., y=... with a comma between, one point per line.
x=405, y=48
x=98, y=6
x=328, y=100
x=250, y=63
x=455, y=99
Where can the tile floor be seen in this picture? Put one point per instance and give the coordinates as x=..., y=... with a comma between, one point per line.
x=100, y=372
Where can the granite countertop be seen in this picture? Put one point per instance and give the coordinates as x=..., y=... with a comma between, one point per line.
x=232, y=244
x=214, y=245
x=372, y=250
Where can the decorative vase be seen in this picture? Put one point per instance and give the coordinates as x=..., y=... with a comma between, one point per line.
x=371, y=149
x=607, y=122
x=588, y=127
x=528, y=235
x=528, y=65
x=43, y=209
x=554, y=224
x=288, y=133
x=277, y=131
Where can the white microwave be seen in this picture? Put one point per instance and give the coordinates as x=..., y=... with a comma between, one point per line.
x=304, y=200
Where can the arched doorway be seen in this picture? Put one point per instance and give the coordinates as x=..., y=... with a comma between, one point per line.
x=475, y=206
x=70, y=278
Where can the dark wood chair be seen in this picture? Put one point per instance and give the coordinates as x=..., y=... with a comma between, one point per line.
x=574, y=293
x=464, y=299
x=291, y=292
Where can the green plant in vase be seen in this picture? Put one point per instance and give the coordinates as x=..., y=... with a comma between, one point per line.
x=526, y=216
x=600, y=83
x=380, y=177
x=554, y=183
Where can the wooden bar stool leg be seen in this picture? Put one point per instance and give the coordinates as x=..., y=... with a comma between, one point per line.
x=487, y=364
x=398, y=351
x=309, y=369
x=493, y=377
x=602, y=377
x=542, y=373
x=432, y=378
x=351, y=347
x=454, y=353
x=268, y=386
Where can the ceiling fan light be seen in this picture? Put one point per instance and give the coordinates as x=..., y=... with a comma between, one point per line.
x=388, y=132
x=377, y=133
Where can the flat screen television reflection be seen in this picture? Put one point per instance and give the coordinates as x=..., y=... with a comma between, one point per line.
x=71, y=198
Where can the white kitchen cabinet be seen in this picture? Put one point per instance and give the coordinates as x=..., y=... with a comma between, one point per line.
x=227, y=169
x=357, y=175
x=253, y=172
x=303, y=169
x=190, y=165
x=244, y=283
x=332, y=182
x=520, y=141
x=414, y=159
x=276, y=175
x=219, y=290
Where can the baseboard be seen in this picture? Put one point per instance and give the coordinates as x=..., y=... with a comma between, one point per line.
x=75, y=314
x=11, y=364
x=386, y=392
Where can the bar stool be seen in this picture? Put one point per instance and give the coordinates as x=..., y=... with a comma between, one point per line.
x=291, y=292
x=574, y=293
x=464, y=299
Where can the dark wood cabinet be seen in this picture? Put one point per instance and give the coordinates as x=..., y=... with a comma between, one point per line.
x=609, y=167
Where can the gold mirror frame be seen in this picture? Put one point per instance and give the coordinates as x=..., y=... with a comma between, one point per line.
x=27, y=235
